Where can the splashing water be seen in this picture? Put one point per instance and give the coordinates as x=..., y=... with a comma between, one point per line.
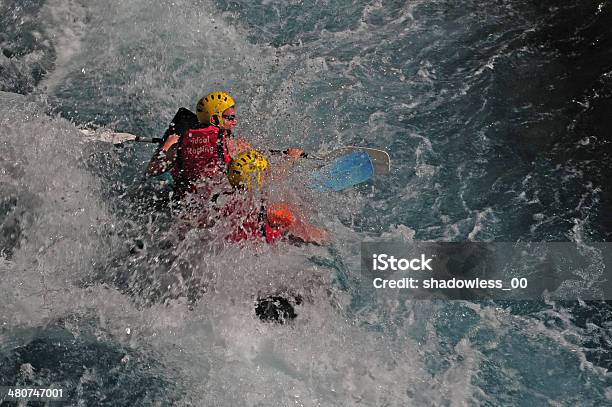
x=495, y=120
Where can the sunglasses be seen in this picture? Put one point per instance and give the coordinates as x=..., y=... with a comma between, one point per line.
x=229, y=118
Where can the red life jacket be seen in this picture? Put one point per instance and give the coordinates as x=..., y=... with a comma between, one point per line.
x=248, y=223
x=271, y=233
x=202, y=154
x=250, y=230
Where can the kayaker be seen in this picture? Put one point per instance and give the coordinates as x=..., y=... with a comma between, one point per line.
x=252, y=214
x=198, y=147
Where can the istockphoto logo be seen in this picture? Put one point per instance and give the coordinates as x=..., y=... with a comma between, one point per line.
x=480, y=270
x=385, y=262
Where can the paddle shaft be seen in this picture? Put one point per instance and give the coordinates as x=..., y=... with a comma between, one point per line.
x=156, y=140
x=303, y=155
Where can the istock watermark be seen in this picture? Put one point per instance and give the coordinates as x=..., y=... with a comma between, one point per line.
x=383, y=262
x=469, y=271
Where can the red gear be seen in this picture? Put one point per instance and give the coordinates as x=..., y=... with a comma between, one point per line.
x=249, y=222
x=202, y=153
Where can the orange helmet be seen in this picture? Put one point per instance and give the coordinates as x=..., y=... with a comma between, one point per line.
x=280, y=214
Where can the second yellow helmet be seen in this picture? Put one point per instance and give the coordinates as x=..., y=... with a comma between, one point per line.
x=247, y=169
x=213, y=104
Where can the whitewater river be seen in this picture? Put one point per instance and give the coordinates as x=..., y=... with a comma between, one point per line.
x=497, y=118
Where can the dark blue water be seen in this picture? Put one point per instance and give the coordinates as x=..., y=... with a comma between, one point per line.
x=496, y=117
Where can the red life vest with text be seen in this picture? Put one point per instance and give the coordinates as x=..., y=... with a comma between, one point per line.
x=202, y=154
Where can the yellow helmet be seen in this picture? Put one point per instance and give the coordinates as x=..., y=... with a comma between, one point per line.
x=246, y=169
x=213, y=104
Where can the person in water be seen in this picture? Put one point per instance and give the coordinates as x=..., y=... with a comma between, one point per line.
x=198, y=146
x=252, y=214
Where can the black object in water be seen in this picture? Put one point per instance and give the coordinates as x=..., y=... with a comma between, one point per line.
x=276, y=309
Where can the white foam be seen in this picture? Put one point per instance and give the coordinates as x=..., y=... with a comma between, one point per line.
x=65, y=23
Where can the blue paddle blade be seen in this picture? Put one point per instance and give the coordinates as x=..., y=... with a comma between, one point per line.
x=342, y=173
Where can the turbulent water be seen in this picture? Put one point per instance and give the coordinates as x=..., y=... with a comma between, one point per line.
x=497, y=117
